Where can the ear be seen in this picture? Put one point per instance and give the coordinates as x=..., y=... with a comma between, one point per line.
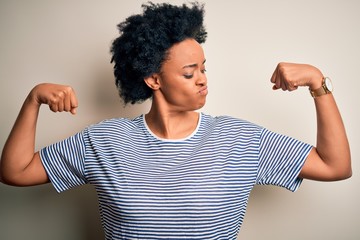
x=153, y=81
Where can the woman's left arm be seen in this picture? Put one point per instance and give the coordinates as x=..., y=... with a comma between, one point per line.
x=330, y=160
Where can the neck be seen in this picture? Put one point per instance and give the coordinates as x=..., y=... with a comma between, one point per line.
x=171, y=124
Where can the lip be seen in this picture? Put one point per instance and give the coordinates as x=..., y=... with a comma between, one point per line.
x=203, y=90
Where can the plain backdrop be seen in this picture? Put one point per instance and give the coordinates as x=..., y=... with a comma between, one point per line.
x=68, y=42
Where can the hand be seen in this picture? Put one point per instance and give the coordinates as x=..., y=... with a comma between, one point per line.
x=59, y=97
x=289, y=76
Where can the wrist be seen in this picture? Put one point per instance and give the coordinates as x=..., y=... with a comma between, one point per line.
x=325, y=88
x=32, y=98
x=316, y=82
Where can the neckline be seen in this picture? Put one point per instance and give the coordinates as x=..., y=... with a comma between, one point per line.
x=172, y=140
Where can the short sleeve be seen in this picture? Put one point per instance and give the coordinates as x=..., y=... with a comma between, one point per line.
x=64, y=162
x=280, y=160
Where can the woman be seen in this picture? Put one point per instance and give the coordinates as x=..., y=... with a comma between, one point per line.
x=174, y=173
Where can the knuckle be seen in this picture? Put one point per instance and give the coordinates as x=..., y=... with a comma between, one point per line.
x=281, y=65
x=282, y=68
x=61, y=94
x=54, y=100
x=68, y=90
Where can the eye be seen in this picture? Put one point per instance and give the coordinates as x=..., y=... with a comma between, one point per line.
x=188, y=76
x=203, y=71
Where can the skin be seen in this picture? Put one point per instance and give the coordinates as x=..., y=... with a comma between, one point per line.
x=179, y=89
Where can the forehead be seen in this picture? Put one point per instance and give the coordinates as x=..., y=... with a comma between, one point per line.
x=185, y=52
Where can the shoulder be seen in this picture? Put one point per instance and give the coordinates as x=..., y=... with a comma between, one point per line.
x=117, y=122
x=231, y=128
x=225, y=121
x=115, y=126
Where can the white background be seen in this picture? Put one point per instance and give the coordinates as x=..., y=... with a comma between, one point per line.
x=68, y=42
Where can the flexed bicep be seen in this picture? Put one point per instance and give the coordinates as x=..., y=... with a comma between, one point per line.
x=20, y=165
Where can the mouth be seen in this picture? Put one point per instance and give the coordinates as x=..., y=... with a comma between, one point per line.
x=203, y=90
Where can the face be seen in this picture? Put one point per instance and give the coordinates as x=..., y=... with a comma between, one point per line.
x=182, y=80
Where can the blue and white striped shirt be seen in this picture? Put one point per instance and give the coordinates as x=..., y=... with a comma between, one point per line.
x=192, y=188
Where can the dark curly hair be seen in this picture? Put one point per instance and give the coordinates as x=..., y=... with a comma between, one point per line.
x=144, y=41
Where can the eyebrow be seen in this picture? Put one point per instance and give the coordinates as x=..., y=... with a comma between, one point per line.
x=193, y=65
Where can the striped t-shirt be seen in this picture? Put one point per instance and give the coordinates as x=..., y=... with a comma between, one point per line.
x=192, y=188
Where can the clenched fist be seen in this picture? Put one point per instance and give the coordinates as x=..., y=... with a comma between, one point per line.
x=59, y=97
x=289, y=76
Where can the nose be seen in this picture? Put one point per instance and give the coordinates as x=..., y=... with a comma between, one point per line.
x=202, y=79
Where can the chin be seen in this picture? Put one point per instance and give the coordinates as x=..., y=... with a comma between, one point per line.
x=200, y=106
x=194, y=106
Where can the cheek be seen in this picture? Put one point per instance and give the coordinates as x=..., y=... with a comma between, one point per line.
x=180, y=95
x=176, y=86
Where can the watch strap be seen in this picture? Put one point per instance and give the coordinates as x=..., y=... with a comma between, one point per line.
x=320, y=91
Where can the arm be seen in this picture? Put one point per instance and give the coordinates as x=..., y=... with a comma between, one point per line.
x=330, y=160
x=20, y=165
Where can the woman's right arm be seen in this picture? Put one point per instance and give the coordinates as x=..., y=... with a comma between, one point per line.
x=20, y=165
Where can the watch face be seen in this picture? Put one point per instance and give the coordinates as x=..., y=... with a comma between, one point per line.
x=328, y=84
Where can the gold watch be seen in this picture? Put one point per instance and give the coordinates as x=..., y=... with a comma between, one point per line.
x=326, y=88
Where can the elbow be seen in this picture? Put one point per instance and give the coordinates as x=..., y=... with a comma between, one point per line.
x=340, y=167
x=347, y=171
x=346, y=174
x=4, y=176
x=12, y=180
x=343, y=176
x=337, y=175
x=343, y=173
x=7, y=179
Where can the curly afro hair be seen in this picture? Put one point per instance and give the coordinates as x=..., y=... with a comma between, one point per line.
x=144, y=41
